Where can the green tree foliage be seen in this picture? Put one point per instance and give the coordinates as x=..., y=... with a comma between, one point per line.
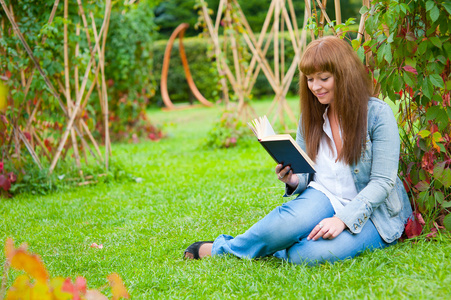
x=411, y=45
x=256, y=11
x=170, y=13
x=129, y=69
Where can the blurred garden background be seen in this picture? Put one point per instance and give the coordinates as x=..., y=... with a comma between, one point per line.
x=98, y=175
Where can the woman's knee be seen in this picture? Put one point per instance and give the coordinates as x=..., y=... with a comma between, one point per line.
x=314, y=252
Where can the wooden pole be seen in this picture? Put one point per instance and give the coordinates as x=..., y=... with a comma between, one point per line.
x=362, y=21
x=214, y=37
x=67, y=82
x=294, y=21
x=323, y=13
x=276, y=42
x=337, y=11
x=101, y=53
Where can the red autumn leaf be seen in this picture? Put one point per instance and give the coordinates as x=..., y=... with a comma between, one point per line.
x=434, y=127
x=414, y=226
x=438, y=226
x=406, y=186
x=427, y=162
x=409, y=90
x=27, y=135
x=410, y=69
x=446, y=99
x=48, y=145
x=12, y=177
x=4, y=182
x=4, y=120
x=69, y=287
x=432, y=234
x=420, y=219
x=1, y=167
x=80, y=285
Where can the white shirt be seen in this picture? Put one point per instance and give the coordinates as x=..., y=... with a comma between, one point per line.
x=332, y=177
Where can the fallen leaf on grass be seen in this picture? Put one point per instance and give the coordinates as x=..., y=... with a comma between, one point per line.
x=117, y=287
x=95, y=295
x=94, y=245
x=432, y=234
x=21, y=259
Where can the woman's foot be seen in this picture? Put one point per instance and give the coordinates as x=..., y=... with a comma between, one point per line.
x=198, y=250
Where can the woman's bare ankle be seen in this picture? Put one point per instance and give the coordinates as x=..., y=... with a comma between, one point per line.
x=205, y=250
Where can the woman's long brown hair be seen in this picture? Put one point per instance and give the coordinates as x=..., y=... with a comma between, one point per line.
x=351, y=94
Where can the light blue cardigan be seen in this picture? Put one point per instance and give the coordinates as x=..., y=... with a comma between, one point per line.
x=381, y=195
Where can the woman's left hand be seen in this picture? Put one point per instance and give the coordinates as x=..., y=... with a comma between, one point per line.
x=328, y=228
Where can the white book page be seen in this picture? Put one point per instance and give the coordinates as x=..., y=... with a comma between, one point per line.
x=261, y=127
x=268, y=130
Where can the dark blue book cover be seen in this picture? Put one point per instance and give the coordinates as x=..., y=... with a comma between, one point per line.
x=285, y=152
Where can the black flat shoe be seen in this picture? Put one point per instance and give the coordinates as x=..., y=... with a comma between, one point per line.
x=193, y=249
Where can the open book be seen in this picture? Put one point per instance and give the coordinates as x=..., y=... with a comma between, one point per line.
x=282, y=147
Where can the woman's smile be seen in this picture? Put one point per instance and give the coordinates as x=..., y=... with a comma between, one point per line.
x=322, y=85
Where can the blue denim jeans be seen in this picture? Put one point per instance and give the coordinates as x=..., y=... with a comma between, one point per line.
x=283, y=233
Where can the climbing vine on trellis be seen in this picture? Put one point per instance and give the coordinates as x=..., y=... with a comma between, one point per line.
x=410, y=45
x=52, y=59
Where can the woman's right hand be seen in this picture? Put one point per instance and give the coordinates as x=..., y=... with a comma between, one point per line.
x=286, y=176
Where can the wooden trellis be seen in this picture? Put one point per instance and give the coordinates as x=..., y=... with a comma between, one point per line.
x=76, y=97
x=281, y=17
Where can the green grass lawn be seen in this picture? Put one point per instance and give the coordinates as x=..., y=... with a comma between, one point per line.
x=189, y=193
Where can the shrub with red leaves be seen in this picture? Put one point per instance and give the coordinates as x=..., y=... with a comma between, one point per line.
x=5, y=181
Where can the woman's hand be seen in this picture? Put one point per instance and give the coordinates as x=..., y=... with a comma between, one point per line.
x=286, y=176
x=328, y=228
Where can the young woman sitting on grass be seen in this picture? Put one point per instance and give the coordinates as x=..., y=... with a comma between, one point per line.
x=354, y=201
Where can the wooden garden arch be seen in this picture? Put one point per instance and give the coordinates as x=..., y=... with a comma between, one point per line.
x=179, y=31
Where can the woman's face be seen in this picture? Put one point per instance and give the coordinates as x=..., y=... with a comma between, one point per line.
x=322, y=85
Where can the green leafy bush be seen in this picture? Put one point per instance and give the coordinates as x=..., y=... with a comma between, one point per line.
x=228, y=131
x=128, y=69
x=411, y=45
